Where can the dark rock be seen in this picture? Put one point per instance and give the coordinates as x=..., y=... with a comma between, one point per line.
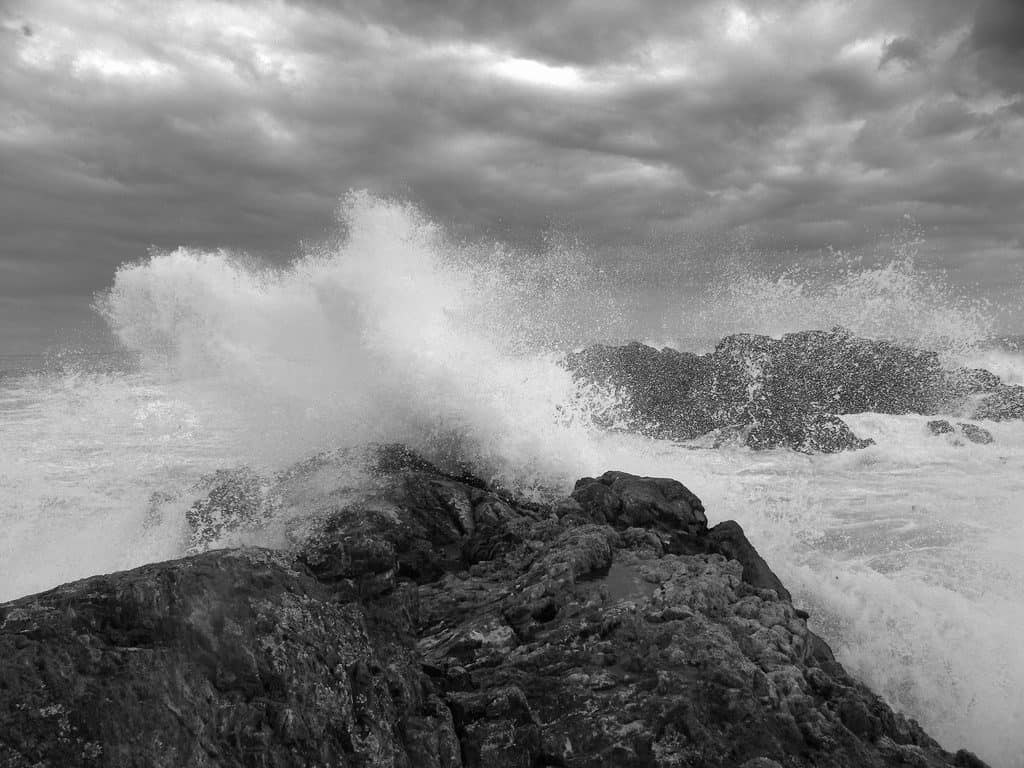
x=976, y=434
x=971, y=381
x=230, y=658
x=814, y=433
x=656, y=383
x=770, y=392
x=940, y=427
x=1003, y=404
x=435, y=623
x=628, y=501
x=728, y=539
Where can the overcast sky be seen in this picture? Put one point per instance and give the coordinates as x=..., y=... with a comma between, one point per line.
x=793, y=125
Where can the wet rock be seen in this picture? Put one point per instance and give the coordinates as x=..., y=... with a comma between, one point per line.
x=228, y=658
x=971, y=381
x=235, y=500
x=655, y=382
x=940, y=427
x=976, y=434
x=771, y=393
x=1003, y=404
x=433, y=622
x=815, y=433
x=627, y=501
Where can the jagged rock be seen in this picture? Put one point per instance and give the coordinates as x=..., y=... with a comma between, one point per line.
x=976, y=434
x=769, y=393
x=440, y=623
x=1005, y=402
x=229, y=658
x=940, y=427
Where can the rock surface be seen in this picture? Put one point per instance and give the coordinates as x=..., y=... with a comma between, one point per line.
x=1003, y=403
x=971, y=432
x=769, y=393
x=436, y=623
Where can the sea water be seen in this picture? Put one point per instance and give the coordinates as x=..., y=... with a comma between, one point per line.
x=907, y=553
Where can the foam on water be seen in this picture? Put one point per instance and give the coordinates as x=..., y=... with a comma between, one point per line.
x=907, y=552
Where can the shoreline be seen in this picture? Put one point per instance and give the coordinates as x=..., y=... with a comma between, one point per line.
x=439, y=623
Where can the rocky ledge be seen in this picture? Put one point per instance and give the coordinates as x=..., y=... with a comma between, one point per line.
x=787, y=392
x=437, y=623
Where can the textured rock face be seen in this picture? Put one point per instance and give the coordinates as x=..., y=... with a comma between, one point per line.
x=439, y=623
x=1004, y=403
x=769, y=393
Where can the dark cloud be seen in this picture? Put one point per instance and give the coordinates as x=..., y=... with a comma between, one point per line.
x=796, y=124
x=997, y=40
x=905, y=50
x=999, y=24
x=941, y=118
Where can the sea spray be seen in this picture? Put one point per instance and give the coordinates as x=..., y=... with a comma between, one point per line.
x=371, y=340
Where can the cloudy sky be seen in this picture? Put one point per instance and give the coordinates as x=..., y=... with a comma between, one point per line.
x=789, y=125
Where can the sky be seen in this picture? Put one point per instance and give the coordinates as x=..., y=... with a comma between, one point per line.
x=795, y=127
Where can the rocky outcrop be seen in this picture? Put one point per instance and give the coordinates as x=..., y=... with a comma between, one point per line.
x=435, y=622
x=769, y=393
x=975, y=434
x=971, y=432
x=1002, y=403
x=940, y=427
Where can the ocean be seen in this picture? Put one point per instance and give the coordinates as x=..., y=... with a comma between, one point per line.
x=907, y=553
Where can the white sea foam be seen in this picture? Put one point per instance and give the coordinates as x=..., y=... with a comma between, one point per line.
x=906, y=552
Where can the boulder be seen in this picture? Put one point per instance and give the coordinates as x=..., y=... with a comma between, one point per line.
x=439, y=623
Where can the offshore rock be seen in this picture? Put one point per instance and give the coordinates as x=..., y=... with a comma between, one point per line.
x=436, y=622
x=972, y=432
x=976, y=434
x=1004, y=403
x=788, y=392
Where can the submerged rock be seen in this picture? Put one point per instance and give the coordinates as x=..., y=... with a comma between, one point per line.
x=940, y=427
x=437, y=623
x=976, y=434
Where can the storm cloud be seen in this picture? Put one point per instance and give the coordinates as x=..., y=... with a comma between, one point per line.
x=792, y=126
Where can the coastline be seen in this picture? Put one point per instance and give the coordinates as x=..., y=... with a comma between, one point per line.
x=440, y=622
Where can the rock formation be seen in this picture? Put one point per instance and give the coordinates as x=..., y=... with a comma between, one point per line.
x=435, y=623
x=788, y=392
x=972, y=432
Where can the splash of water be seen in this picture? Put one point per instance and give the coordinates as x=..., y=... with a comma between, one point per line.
x=383, y=337
x=894, y=301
